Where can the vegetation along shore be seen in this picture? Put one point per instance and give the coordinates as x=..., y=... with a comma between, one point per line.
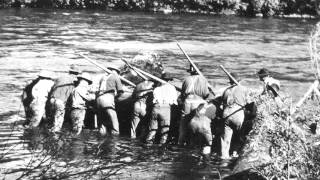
x=249, y=8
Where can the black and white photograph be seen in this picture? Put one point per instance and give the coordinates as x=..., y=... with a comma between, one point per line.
x=159, y=89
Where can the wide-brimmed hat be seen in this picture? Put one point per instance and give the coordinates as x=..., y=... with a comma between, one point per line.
x=74, y=68
x=46, y=74
x=85, y=76
x=263, y=72
x=111, y=67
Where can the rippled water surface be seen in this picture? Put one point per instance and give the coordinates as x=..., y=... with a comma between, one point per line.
x=31, y=40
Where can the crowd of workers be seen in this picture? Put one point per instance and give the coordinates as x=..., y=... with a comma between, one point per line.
x=69, y=97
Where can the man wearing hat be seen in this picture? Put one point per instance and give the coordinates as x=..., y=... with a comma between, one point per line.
x=39, y=93
x=234, y=99
x=164, y=96
x=195, y=91
x=79, y=98
x=59, y=95
x=142, y=95
x=271, y=85
x=110, y=87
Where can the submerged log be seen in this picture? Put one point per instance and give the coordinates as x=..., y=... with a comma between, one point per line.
x=265, y=149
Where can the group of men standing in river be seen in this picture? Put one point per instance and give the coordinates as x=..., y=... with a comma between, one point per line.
x=68, y=97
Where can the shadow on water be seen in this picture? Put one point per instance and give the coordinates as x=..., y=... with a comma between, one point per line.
x=89, y=155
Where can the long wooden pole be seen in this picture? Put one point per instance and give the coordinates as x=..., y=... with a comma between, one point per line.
x=154, y=77
x=190, y=61
x=194, y=66
x=229, y=75
x=129, y=65
x=107, y=70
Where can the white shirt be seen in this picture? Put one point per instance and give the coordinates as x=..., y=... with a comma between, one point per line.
x=41, y=90
x=269, y=81
x=165, y=94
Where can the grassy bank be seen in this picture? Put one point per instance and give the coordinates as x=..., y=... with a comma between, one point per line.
x=250, y=8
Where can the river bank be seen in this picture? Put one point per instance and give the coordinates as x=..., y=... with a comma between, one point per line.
x=248, y=8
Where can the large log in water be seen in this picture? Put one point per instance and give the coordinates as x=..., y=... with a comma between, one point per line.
x=265, y=150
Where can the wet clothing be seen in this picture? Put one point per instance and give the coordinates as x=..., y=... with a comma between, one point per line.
x=58, y=99
x=142, y=93
x=106, y=108
x=77, y=118
x=40, y=92
x=234, y=100
x=109, y=86
x=27, y=99
x=190, y=103
x=200, y=126
x=160, y=119
x=163, y=97
x=194, y=91
x=79, y=98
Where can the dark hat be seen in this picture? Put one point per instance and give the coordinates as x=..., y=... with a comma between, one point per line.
x=192, y=70
x=263, y=72
x=166, y=77
x=235, y=76
x=74, y=68
x=85, y=76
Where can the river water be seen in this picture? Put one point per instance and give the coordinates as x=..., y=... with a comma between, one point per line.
x=31, y=40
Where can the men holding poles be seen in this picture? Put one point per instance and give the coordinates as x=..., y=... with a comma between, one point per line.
x=164, y=96
x=195, y=91
x=110, y=88
x=234, y=100
x=59, y=95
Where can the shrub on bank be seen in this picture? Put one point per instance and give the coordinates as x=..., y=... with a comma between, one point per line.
x=278, y=141
x=240, y=7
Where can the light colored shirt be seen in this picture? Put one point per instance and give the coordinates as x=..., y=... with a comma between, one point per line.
x=110, y=82
x=79, y=96
x=63, y=87
x=236, y=94
x=40, y=91
x=269, y=81
x=165, y=94
x=195, y=84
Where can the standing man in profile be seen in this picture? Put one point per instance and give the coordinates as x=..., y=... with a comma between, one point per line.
x=110, y=88
x=39, y=95
x=234, y=100
x=195, y=91
x=59, y=95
